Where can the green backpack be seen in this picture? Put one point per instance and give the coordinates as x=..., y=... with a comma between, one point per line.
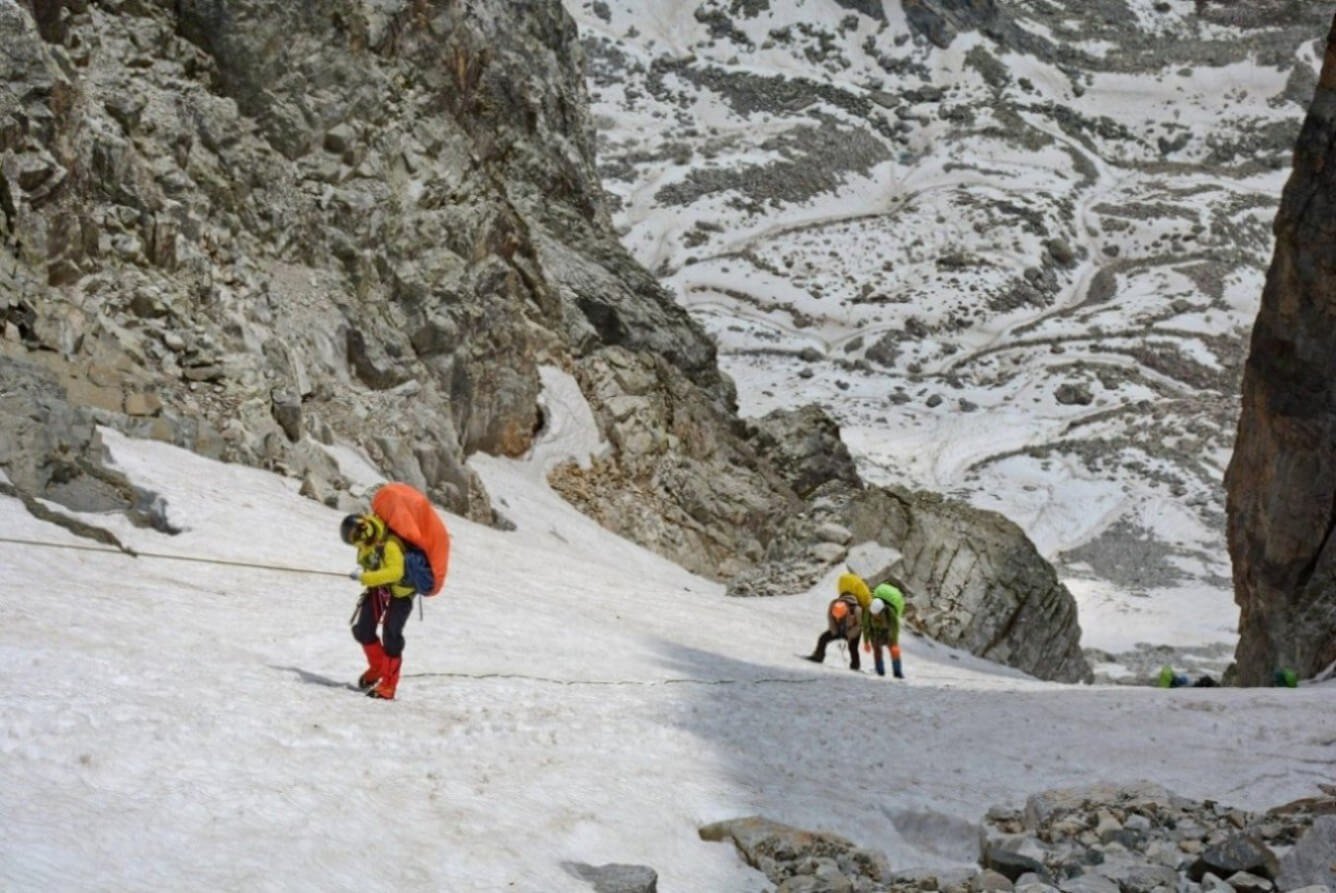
x=891, y=596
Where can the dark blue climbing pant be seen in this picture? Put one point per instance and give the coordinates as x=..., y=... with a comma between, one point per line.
x=378, y=608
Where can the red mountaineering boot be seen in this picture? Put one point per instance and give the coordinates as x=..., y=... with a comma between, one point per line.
x=385, y=691
x=375, y=658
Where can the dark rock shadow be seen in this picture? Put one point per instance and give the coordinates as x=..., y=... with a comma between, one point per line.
x=815, y=762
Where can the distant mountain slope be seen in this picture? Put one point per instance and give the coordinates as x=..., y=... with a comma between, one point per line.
x=1014, y=248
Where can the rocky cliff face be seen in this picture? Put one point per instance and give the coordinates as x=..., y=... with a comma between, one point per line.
x=262, y=231
x=253, y=228
x=1282, y=480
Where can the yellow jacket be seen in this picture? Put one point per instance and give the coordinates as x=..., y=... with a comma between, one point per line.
x=382, y=561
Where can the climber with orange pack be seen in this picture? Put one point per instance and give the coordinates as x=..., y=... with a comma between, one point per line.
x=844, y=617
x=386, y=601
x=403, y=551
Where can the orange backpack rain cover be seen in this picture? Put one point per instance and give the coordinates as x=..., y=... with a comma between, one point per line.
x=409, y=514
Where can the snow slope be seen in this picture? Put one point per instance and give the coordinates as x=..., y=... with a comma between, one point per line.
x=569, y=697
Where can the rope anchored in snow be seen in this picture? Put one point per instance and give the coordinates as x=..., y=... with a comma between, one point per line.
x=134, y=553
x=318, y=679
x=677, y=680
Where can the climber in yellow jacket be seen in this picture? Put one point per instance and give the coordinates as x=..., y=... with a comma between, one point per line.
x=386, y=601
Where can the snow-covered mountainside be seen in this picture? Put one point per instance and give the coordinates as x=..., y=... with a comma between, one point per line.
x=1015, y=249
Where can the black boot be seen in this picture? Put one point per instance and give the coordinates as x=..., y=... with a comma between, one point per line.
x=819, y=654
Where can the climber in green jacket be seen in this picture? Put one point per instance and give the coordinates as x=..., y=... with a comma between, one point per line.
x=881, y=627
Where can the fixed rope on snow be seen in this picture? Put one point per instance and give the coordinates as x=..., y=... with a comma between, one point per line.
x=134, y=553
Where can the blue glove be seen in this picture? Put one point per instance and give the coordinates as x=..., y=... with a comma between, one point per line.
x=356, y=575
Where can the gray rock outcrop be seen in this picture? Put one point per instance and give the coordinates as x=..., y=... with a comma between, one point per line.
x=799, y=861
x=1281, y=480
x=1143, y=837
x=972, y=579
x=940, y=20
x=49, y=447
x=1101, y=838
x=616, y=877
x=975, y=581
x=1312, y=859
x=46, y=445
x=679, y=479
